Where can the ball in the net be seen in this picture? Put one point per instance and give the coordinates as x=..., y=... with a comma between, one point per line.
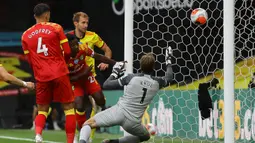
x=199, y=16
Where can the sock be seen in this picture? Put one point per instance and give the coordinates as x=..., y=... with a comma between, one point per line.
x=40, y=122
x=93, y=112
x=129, y=139
x=81, y=118
x=70, y=125
x=84, y=133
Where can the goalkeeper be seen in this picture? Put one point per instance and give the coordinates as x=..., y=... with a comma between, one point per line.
x=139, y=92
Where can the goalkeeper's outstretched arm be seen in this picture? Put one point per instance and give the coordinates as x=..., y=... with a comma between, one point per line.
x=113, y=82
x=165, y=80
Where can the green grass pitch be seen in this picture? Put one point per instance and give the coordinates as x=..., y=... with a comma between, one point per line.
x=27, y=136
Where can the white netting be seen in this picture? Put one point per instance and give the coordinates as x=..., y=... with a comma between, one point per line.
x=198, y=57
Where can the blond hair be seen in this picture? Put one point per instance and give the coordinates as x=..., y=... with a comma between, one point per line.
x=147, y=63
x=77, y=15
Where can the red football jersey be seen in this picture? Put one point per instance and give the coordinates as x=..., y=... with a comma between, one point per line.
x=42, y=44
x=78, y=64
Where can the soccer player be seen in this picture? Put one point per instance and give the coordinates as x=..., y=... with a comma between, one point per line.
x=139, y=92
x=44, y=44
x=5, y=76
x=82, y=78
x=81, y=21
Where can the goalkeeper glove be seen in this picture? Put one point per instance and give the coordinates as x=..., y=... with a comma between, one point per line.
x=169, y=54
x=118, y=69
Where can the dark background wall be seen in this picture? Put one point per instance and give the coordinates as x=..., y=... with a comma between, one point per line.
x=17, y=16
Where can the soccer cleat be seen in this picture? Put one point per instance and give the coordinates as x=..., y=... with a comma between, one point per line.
x=38, y=138
x=169, y=54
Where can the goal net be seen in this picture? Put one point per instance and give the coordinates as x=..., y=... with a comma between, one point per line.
x=197, y=58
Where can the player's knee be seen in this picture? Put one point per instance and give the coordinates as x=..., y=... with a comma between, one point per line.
x=99, y=99
x=79, y=107
x=91, y=122
x=144, y=138
x=79, y=104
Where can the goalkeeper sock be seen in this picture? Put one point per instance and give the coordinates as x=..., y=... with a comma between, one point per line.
x=85, y=133
x=40, y=122
x=93, y=113
x=81, y=118
x=70, y=125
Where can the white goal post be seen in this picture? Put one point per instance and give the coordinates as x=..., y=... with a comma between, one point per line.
x=229, y=46
x=128, y=37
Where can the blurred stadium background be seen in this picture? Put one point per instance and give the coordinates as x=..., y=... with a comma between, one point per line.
x=198, y=57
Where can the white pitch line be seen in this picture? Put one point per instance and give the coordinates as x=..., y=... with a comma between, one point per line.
x=25, y=139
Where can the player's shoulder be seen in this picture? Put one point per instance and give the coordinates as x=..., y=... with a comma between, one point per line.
x=90, y=33
x=71, y=32
x=26, y=32
x=84, y=47
x=55, y=26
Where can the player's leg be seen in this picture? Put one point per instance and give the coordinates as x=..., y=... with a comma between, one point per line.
x=109, y=117
x=93, y=88
x=94, y=110
x=40, y=121
x=43, y=100
x=137, y=133
x=79, y=103
x=63, y=93
x=54, y=115
x=98, y=96
x=80, y=111
x=35, y=110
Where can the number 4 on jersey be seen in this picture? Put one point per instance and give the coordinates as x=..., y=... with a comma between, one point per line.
x=41, y=48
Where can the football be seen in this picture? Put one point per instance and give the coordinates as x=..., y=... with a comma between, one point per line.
x=151, y=128
x=199, y=16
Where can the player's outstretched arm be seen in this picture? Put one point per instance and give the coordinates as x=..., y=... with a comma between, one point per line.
x=5, y=76
x=165, y=80
x=108, y=53
x=104, y=59
x=114, y=81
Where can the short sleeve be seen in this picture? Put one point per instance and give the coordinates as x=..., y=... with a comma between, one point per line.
x=24, y=45
x=61, y=33
x=98, y=41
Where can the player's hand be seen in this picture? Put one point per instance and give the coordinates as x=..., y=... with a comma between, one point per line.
x=118, y=69
x=169, y=54
x=30, y=85
x=103, y=66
